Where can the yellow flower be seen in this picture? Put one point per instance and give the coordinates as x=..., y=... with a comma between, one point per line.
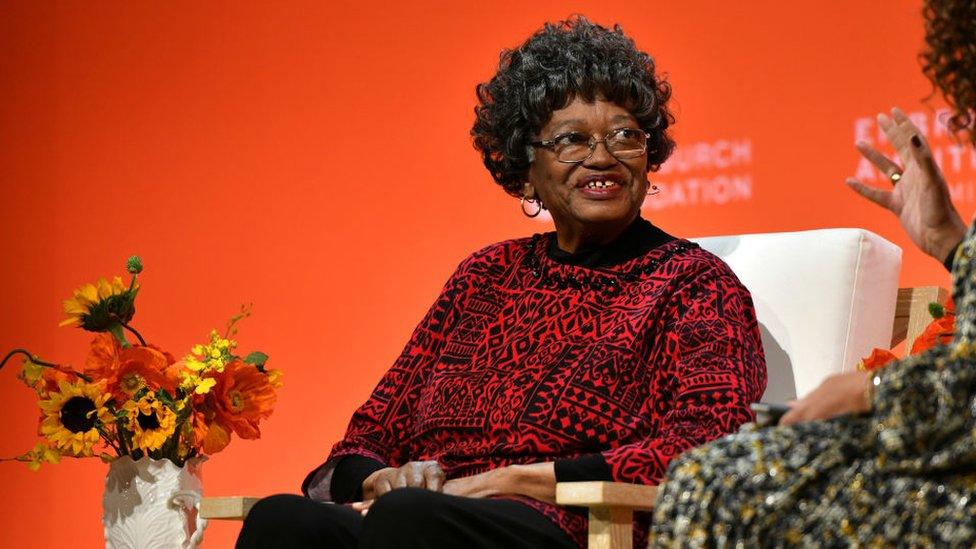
x=96, y=307
x=150, y=421
x=204, y=385
x=192, y=382
x=72, y=415
x=41, y=453
x=213, y=356
x=31, y=373
x=194, y=364
x=274, y=376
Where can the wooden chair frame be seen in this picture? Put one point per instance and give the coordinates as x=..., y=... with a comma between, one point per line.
x=612, y=504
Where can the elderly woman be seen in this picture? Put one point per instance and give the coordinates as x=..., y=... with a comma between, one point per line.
x=598, y=352
x=895, y=461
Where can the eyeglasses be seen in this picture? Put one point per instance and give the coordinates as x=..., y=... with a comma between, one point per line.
x=575, y=147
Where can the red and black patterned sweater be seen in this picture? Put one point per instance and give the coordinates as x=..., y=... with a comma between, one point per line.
x=523, y=359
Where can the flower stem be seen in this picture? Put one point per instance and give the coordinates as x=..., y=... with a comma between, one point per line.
x=134, y=332
x=123, y=447
x=29, y=356
x=107, y=437
x=39, y=362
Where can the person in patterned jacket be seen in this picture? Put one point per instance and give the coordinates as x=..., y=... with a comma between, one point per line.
x=877, y=459
x=599, y=351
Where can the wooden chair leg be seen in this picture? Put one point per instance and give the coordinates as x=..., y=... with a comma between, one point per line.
x=611, y=528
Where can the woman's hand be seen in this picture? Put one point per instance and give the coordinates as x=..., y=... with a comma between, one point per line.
x=838, y=394
x=920, y=198
x=416, y=474
x=537, y=481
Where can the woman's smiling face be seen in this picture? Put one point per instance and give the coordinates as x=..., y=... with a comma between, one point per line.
x=602, y=194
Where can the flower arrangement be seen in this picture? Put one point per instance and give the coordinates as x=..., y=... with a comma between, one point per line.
x=938, y=332
x=136, y=399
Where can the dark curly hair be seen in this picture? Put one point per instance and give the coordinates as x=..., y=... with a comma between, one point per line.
x=949, y=59
x=562, y=61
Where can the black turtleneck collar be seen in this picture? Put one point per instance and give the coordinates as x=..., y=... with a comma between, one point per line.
x=637, y=239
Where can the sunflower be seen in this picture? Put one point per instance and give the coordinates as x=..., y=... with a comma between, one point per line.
x=150, y=421
x=100, y=307
x=241, y=397
x=72, y=414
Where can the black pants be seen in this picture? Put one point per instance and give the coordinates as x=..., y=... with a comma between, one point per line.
x=408, y=518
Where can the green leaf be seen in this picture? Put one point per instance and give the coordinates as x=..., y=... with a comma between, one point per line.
x=164, y=397
x=256, y=358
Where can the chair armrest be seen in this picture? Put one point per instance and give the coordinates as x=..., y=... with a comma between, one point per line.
x=912, y=312
x=227, y=508
x=611, y=506
x=598, y=494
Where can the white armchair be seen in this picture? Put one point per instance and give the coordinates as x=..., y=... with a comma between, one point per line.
x=824, y=299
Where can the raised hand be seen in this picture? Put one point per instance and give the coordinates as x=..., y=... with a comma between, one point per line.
x=920, y=198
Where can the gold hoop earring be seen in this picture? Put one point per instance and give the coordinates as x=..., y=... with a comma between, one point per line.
x=530, y=201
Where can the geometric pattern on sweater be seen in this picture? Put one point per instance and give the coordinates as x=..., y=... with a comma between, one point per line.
x=522, y=359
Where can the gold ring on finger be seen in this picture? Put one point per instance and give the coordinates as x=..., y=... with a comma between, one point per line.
x=895, y=177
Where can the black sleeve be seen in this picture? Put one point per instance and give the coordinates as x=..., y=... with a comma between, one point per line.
x=588, y=467
x=346, y=482
x=952, y=255
x=348, y=477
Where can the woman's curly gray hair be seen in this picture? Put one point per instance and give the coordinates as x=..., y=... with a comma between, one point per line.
x=562, y=61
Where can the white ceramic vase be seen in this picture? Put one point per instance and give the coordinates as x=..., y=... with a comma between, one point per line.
x=153, y=504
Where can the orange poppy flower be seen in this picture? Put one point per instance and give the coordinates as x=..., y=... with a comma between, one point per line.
x=938, y=332
x=51, y=378
x=242, y=397
x=128, y=370
x=879, y=358
x=103, y=356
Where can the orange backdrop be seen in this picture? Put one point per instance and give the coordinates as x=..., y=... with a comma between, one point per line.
x=219, y=142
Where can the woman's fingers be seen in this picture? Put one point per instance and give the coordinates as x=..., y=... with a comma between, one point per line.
x=362, y=506
x=794, y=415
x=838, y=394
x=923, y=156
x=900, y=134
x=433, y=476
x=383, y=485
x=900, y=118
x=372, y=483
x=878, y=196
x=415, y=473
x=884, y=164
x=399, y=479
x=419, y=474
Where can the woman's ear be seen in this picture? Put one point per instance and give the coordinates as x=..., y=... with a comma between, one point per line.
x=528, y=191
